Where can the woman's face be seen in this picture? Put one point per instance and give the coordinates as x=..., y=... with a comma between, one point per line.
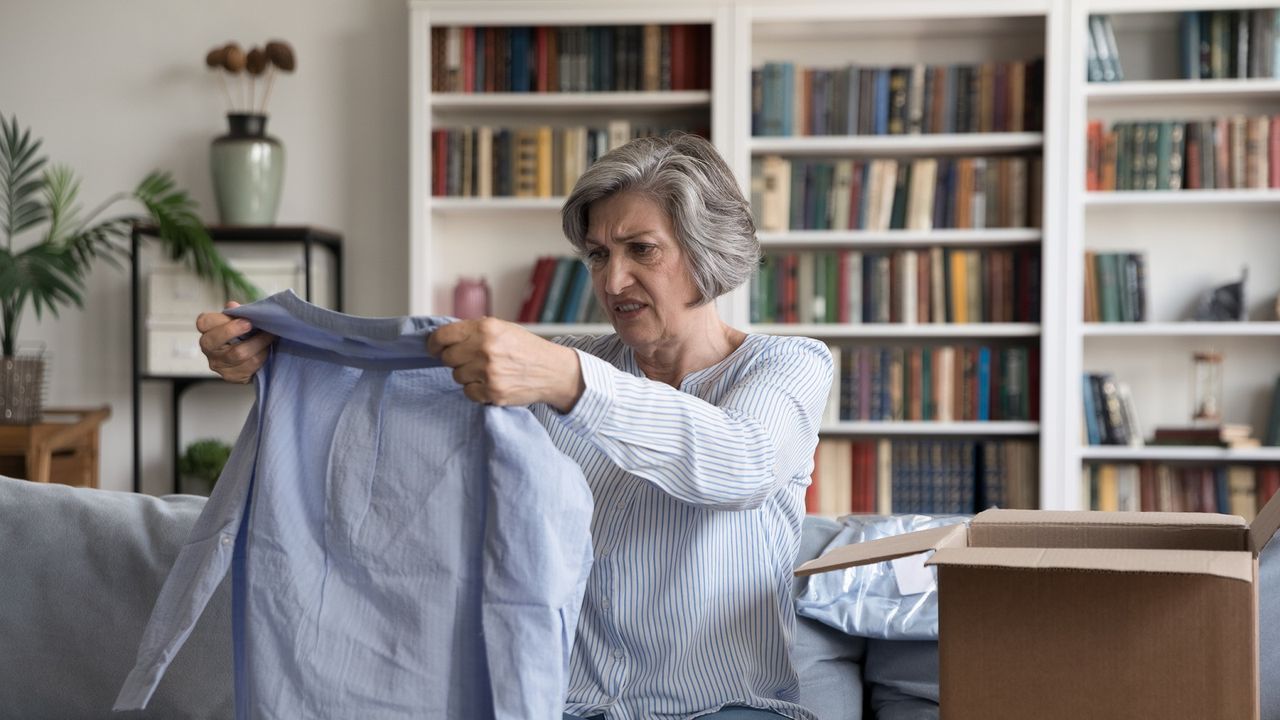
x=637, y=270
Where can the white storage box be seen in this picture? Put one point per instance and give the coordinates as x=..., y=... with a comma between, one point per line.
x=172, y=347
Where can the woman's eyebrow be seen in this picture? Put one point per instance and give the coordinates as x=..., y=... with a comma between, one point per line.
x=625, y=238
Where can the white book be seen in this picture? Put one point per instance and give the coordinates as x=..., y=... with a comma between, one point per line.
x=944, y=384
x=776, y=214
x=908, y=273
x=832, y=415
x=484, y=158
x=888, y=181
x=884, y=477
x=853, y=284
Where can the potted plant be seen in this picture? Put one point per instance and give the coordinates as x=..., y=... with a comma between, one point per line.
x=201, y=464
x=49, y=247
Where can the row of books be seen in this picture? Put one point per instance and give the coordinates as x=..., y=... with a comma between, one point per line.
x=1226, y=152
x=789, y=100
x=935, y=477
x=1150, y=486
x=571, y=58
x=938, y=383
x=522, y=162
x=1102, y=53
x=929, y=285
x=892, y=194
x=1229, y=44
x=559, y=291
x=1110, y=417
x=1115, y=287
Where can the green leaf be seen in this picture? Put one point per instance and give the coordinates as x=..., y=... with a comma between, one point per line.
x=184, y=236
x=20, y=207
x=60, y=190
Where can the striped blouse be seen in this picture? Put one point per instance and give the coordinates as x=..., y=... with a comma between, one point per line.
x=699, y=497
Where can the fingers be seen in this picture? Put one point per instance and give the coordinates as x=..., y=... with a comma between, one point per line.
x=219, y=335
x=448, y=335
x=231, y=304
x=210, y=320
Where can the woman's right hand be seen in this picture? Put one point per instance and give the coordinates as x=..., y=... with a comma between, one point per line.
x=234, y=362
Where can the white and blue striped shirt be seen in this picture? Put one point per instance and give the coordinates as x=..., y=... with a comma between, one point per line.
x=699, y=497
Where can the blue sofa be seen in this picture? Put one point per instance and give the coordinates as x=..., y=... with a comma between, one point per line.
x=80, y=569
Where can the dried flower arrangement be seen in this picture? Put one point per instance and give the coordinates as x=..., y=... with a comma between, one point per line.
x=247, y=68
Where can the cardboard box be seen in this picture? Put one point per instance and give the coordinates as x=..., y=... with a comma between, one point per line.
x=1091, y=615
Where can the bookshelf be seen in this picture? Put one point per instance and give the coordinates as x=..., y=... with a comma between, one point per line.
x=1191, y=240
x=506, y=235
x=831, y=36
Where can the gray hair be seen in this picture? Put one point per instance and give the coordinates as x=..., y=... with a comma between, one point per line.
x=686, y=176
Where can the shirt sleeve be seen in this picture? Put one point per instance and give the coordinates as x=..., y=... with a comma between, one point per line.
x=730, y=456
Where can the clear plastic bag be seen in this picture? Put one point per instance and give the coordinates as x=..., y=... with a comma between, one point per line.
x=894, y=600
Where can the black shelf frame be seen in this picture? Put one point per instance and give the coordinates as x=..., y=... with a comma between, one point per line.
x=306, y=236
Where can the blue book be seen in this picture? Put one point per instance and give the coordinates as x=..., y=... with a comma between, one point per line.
x=1090, y=412
x=520, y=59
x=787, y=98
x=1222, y=492
x=984, y=383
x=882, y=101
x=576, y=295
x=1189, y=45
x=555, y=292
x=478, y=82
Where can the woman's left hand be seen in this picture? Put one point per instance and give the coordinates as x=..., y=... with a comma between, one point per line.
x=501, y=363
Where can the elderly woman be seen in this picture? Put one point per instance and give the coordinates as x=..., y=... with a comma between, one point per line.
x=697, y=439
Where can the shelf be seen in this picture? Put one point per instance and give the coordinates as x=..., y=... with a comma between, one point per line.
x=1130, y=198
x=1182, y=329
x=1165, y=452
x=552, y=102
x=473, y=204
x=964, y=143
x=995, y=427
x=1141, y=91
x=875, y=238
x=554, y=329
x=900, y=330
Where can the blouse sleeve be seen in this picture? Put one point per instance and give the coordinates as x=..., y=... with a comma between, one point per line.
x=730, y=456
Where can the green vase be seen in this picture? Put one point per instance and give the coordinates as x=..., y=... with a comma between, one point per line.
x=248, y=171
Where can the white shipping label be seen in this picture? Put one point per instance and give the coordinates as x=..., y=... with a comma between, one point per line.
x=912, y=575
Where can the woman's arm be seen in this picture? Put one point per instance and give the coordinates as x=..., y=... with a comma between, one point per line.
x=729, y=456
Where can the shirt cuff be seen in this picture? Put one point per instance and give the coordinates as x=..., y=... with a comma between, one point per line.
x=597, y=396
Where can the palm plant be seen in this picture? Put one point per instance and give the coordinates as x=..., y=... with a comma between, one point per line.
x=51, y=271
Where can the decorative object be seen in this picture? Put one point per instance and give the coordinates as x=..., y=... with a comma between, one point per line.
x=50, y=271
x=471, y=298
x=201, y=464
x=248, y=164
x=1207, y=401
x=1224, y=303
x=22, y=386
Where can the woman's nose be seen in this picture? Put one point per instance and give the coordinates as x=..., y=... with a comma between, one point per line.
x=617, y=276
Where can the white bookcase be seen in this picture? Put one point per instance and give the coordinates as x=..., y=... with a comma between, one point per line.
x=1192, y=239
x=501, y=238
x=904, y=33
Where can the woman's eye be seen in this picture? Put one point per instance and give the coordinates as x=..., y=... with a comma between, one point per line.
x=642, y=250
x=595, y=256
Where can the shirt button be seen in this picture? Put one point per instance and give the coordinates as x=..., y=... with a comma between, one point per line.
x=226, y=540
x=618, y=654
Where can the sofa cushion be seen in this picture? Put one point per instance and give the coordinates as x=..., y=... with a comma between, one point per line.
x=828, y=661
x=81, y=571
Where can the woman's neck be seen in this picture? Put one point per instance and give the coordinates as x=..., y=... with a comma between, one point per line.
x=702, y=344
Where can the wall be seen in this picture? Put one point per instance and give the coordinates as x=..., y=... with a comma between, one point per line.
x=118, y=89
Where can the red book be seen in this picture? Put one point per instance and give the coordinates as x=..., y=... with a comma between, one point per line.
x=468, y=59
x=811, y=493
x=540, y=58
x=1268, y=485
x=439, y=161
x=923, y=278
x=679, y=57
x=539, y=282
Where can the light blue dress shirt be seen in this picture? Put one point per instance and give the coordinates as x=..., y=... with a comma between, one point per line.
x=699, y=496
x=397, y=550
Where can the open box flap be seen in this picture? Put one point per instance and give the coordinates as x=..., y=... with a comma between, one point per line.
x=1232, y=565
x=1096, y=517
x=885, y=549
x=1265, y=525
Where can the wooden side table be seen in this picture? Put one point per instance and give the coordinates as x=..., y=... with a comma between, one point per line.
x=61, y=448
